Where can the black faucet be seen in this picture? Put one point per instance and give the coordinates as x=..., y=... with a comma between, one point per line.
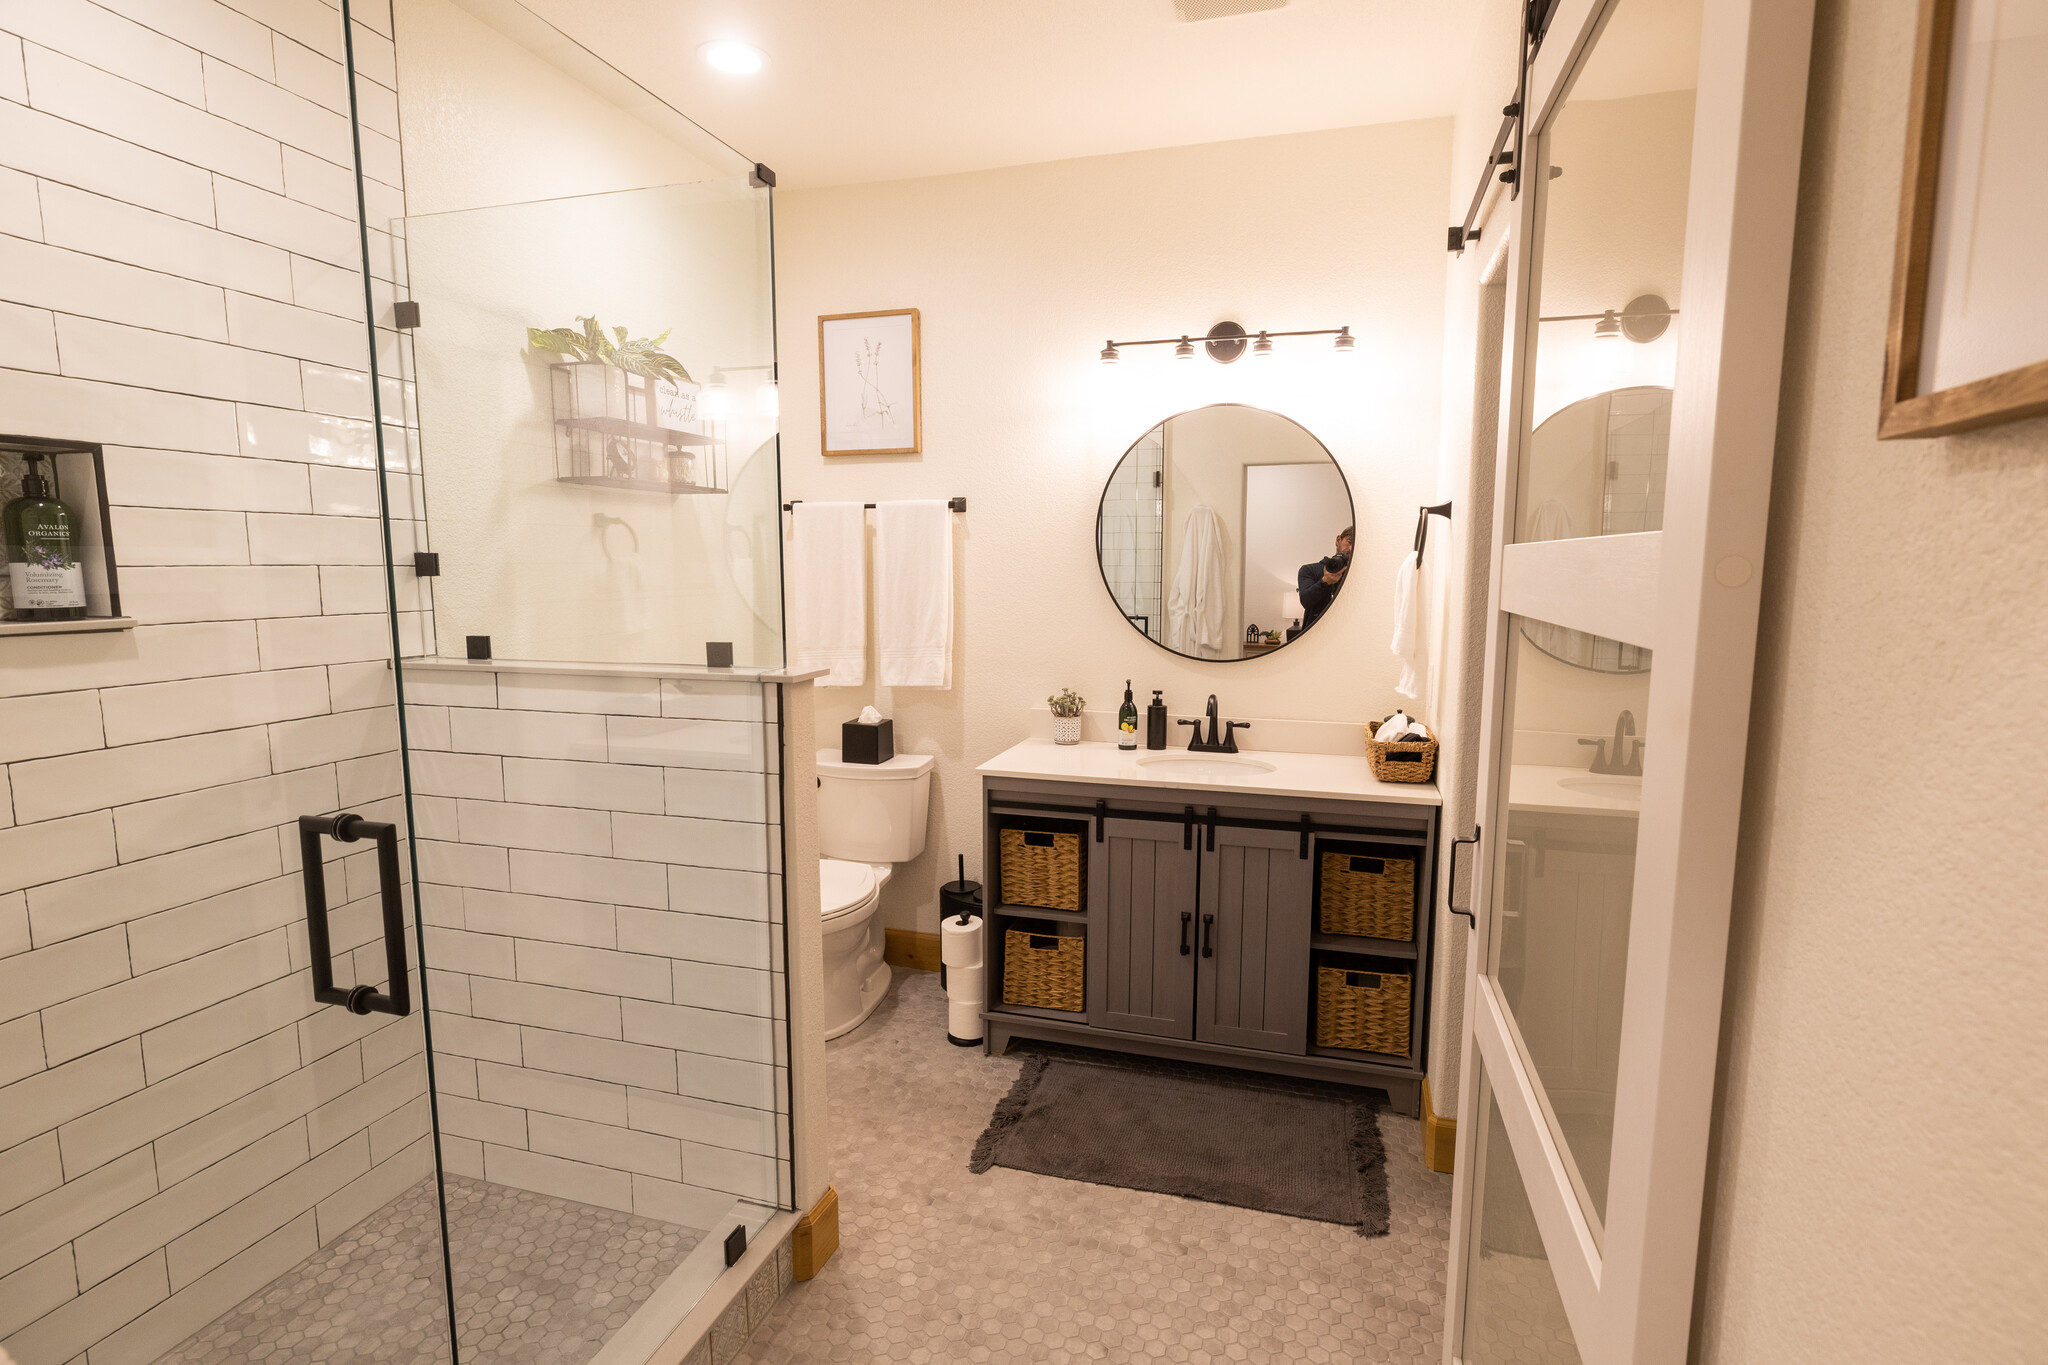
x=1213, y=745
x=1610, y=761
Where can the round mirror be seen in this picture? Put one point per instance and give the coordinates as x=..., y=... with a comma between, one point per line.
x=1225, y=532
x=1596, y=468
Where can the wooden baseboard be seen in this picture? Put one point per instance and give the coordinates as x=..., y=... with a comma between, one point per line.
x=817, y=1235
x=908, y=948
x=1439, y=1136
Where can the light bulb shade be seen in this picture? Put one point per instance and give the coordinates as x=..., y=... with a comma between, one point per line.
x=1110, y=354
x=1262, y=349
x=1608, y=328
x=1346, y=343
x=716, y=399
x=1184, y=351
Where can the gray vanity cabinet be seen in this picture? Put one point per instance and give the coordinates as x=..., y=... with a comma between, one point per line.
x=1143, y=880
x=1201, y=940
x=1253, y=964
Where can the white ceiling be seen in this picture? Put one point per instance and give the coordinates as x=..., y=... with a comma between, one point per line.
x=859, y=90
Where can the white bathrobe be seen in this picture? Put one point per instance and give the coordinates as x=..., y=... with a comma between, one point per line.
x=1195, y=610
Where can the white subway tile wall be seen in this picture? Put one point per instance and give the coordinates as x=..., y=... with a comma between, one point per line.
x=597, y=893
x=181, y=281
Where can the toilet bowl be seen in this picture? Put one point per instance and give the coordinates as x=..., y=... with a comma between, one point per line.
x=856, y=977
x=871, y=816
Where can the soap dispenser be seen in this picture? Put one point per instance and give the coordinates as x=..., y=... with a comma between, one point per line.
x=1155, y=722
x=1127, y=720
x=40, y=539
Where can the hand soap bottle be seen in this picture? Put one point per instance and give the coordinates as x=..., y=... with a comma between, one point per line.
x=1155, y=722
x=44, y=578
x=1127, y=720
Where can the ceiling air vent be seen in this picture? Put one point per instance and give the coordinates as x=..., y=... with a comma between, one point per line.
x=1194, y=11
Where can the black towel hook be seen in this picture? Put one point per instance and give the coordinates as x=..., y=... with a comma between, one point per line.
x=1442, y=509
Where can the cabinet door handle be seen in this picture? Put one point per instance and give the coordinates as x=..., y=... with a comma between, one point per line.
x=1185, y=916
x=1208, y=936
x=312, y=872
x=1451, y=891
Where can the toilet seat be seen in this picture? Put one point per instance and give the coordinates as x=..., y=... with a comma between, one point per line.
x=847, y=888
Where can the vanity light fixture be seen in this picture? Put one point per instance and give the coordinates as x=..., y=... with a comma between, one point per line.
x=732, y=57
x=1226, y=341
x=1646, y=318
x=717, y=398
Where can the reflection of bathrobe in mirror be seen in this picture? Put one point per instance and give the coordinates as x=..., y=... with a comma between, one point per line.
x=1195, y=610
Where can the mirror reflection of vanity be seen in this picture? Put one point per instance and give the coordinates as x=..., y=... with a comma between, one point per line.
x=1218, y=532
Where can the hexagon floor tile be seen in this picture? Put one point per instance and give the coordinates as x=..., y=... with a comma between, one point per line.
x=539, y=1281
x=937, y=1265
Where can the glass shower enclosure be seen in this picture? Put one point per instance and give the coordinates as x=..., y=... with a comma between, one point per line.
x=515, y=1075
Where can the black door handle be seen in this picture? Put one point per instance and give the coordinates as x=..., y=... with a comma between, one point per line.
x=1185, y=916
x=1208, y=936
x=312, y=872
x=1451, y=891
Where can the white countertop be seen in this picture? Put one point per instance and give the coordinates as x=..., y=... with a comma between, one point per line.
x=1572, y=791
x=1330, y=776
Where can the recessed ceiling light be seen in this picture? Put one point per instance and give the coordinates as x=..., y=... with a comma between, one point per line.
x=733, y=58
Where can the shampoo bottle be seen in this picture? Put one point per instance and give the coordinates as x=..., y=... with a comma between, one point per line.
x=1155, y=722
x=44, y=578
x=1127, y=720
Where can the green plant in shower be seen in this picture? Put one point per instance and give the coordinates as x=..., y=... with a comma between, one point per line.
x=643, y=356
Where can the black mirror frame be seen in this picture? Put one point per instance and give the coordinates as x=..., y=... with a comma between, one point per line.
x=1349, y=500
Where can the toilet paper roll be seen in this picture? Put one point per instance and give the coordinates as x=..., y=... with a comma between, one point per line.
x=960, y=944
x=963, y=1021
x=966, y=984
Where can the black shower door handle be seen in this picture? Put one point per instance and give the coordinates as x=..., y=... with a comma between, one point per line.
x=347, y=829
x=1185, y=916
x=1208, y=936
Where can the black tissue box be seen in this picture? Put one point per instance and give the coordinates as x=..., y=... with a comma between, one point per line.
x=863, y=743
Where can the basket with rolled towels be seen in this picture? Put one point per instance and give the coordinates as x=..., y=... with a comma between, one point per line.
x=1400, y=749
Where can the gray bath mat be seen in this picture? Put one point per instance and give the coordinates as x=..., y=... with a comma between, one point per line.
x=1290, y=1147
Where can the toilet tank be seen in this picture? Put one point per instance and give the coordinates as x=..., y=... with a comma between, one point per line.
x=873, y=812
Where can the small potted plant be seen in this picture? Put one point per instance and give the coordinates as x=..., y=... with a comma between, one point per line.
x=1066, y=707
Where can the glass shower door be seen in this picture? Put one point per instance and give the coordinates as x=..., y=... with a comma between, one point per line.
x=580, y=392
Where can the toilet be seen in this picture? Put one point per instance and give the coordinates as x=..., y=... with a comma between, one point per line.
x=871, y=816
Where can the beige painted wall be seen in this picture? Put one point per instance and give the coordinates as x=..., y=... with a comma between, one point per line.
x=1876, y=1190
x=1020, y=275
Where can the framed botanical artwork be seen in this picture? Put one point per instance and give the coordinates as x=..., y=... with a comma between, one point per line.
x=1968, y=341
x=870, y=389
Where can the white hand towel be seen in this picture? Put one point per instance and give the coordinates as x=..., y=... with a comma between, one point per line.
x=828, y=619
x=914, y=593
x=1407, y=642
x=1194, y=612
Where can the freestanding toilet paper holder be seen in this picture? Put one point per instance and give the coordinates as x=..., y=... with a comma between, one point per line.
x=962, y=974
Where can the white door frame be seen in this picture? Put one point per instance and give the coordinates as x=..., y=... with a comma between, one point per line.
x=1691, y=593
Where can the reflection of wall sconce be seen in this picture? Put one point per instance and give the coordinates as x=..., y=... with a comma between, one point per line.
x=1226, y=341
x=1643, y=321
x=717, y=398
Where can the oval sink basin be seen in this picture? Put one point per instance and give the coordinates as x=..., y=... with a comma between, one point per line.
x=1601, y=784
x=1221, y=766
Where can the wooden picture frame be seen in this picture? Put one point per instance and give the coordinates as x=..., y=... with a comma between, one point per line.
x=1908, y=408
x=861, y=383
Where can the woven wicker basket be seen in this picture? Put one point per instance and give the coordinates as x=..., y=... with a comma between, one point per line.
x=1363, y=1010
x=1043, y=868
x=1046, y=970
x=1399, y=762
x=1368, y=895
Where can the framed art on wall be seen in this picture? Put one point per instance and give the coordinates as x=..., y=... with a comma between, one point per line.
x=870, y=389
x=1968, y=341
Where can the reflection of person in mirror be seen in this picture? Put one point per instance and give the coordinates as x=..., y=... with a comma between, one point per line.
x=1318, y=584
